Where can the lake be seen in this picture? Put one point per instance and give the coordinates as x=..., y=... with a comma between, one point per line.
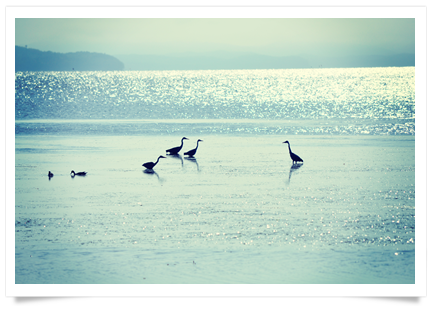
x=239, y=212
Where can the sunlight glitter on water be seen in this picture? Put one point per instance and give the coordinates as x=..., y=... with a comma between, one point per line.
x=239, y=207
x=362, y=93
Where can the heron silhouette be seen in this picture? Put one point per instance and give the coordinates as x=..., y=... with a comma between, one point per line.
x=175, y=150
x=150, y=165
x=295, y=158
x=191, y=153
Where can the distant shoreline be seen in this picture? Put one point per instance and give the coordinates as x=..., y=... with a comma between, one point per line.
x=27, y=59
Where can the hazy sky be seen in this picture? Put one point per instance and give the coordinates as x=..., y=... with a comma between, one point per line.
x=271, y=36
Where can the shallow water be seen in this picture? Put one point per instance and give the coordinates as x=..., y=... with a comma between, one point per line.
x=238, y=213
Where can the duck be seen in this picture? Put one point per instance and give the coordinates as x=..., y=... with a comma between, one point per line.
x=50, y=174
x=82, y=173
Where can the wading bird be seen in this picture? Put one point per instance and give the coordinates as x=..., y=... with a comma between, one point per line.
x=193, y=151
x=150, y=165
x=175, y=150
x=73, y=173
x=295, y=158
x=50, y=174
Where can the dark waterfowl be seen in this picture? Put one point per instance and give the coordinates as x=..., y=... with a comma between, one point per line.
x=150, y=165
x=82, y=173
x=50, y=174
x=175, y=150
x=193, y=151
x=295, y=158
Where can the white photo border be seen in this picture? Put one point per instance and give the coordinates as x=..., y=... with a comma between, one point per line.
x=239, y=290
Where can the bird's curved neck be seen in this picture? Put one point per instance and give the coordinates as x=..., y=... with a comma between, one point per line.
x=289, y=147
x=182, y=142
x=158, y=159
x=197, y=144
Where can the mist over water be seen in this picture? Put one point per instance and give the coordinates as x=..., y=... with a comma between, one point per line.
x=240, y=211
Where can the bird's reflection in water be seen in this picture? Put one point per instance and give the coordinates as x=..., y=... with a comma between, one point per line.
x=179, y=157
x=152, y=172
x=294, y=168
x=194, y=160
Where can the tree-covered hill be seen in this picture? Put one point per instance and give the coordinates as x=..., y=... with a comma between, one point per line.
x=36, y=60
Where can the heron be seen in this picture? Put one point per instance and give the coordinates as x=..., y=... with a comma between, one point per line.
x=150, y=165
x=175, y=150
x=295, y=158
x=194, y=150
x=82, y=173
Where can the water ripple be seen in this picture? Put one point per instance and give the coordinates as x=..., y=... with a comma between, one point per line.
x=357, y=93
